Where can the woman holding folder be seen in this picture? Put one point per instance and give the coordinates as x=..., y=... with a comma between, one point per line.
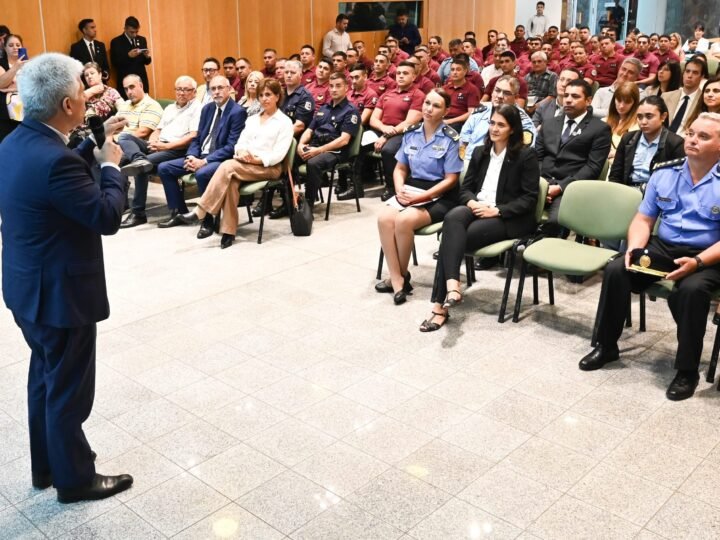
x=426, y=187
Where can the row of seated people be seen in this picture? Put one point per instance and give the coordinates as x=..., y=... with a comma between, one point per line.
x=498, y=197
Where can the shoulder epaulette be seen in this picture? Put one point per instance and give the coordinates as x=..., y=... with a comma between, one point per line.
x=675, y=163
x=480, y=108
x=450, y=132
x=414, y=127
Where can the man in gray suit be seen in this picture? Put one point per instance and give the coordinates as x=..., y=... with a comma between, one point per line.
x=681, y=102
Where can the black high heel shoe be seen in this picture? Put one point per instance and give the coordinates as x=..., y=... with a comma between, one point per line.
x=407, y=287
x=452, y=302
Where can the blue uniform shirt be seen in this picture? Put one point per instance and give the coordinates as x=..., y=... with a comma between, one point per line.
x=299, y=105
x=430, y=160
x=690, y=214
x=331, y=121
x=644, y=154
x=477, y=126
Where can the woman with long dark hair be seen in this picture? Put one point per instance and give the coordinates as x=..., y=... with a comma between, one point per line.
x=498, y=199
x=669, y=78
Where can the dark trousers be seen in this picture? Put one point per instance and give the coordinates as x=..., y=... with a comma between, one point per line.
x=171, y=171
x=61, y=389
x=689, y=302
x=462, y=232
x=316, y=166
x=388, y=158
x=133, y=149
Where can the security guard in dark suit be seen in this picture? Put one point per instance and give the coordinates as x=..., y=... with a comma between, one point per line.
x=89, y=49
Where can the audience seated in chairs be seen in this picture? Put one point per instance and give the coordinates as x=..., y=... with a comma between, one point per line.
x=259, y=154
x=426, y=187
x=141, y=111
x=622, y=116
x=498, y=198
x=170, y=140
x=221, y=123
x=628, y=72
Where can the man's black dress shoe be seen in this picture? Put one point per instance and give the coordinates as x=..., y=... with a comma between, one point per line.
x=598, y=357
x=101, y=487
x=386, y=195
x=44, y=481
x=189, y=219
x=261, y=209
x=279, y=212
x=349, y=194
x=206, y=229
x=132, y=220
x=683, y=385
x=172, y=221
x=138, y=166
x=486, y=263
x=226, y=241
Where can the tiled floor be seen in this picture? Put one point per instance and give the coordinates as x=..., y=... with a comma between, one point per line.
x=266, y=391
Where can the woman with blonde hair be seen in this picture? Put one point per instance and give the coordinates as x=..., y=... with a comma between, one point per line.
x=250, y=100
x=622, y=114
x=676, y=42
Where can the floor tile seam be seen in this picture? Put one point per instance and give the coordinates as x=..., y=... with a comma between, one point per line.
x=695, y=469
x=15, y=507
x=235, y=442
x=230, y=503
x=122, y=504
x=243, y=396
x=439, y=434
x=621, y=470
x=625, y=432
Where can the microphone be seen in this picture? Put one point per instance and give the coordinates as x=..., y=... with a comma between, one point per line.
x=95, y=124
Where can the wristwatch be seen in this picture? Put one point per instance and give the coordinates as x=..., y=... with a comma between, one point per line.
x=700, y=263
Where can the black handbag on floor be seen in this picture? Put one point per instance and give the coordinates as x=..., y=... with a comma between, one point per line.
x=301, y=216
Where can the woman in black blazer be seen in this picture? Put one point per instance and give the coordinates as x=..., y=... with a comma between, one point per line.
x=498, y=199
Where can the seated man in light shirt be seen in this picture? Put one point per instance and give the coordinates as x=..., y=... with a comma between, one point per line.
x=140, y=110
x=475, y=130
x=176, y=130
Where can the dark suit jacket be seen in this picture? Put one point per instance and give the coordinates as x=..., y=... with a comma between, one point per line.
x=517, y=189
x=124, y=65
x=670, y=146
x=232, y=122
x=544, y=113
x=79, y=51
x=53, y=214
x=582, y=157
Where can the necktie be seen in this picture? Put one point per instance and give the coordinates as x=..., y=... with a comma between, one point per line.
x=92, y=52
x=214, y=131
x=566, y=134
x=677, y=121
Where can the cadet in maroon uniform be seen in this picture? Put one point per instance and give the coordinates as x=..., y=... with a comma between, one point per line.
x=269, y=59
x=649, y=61
x=423, y=54
x=519, y=45
x=351, y=56
x=507, y=66
x=380, y=81
x=435, y=49
x=582, y=64
x=396, y=110
x=464, y=96
x=607, y=63
x=307, y=59
x=320, y=87
x=563, y=56
x=359, y=46
x=664, y=51
x=425, y=85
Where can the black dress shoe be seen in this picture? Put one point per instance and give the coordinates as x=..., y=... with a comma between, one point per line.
x=226, y=241
x=172, y=221
x=188, y=219
x=138, y=166
x=384, y=287
x=400, y=297
x=101, y=487
x=349, y=194
x=279, y=212
x=486, y=263
x=132, y=220
x=683, y=385
x=260, y=209
x=386, y=195
x=44, y=480
x=598, y=357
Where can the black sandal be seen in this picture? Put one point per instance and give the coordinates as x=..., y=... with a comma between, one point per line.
x=451, y=302
x=429, y=326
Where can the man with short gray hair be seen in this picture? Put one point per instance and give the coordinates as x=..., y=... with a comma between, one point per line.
x=53, y=278
x=541, y=82
x=629, y=72
x=176, y=130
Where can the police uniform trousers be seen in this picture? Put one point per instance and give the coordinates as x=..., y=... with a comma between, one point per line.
x=61, y=390
x=222, y=192
x=316, y=166
x=171, y=171
x=689, y=302
x=388, y=152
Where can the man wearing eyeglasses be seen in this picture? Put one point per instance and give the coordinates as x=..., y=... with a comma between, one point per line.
x=210, y=68
x=508, y=67
x=176, y=130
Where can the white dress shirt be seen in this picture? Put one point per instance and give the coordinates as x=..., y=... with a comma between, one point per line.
x=269, y=140
x=177, y=122
x=488, y=192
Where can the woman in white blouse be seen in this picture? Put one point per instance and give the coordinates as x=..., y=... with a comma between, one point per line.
x=259, y=155
x=497, y=202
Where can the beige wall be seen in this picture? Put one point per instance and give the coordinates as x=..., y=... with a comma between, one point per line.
x=181, y=33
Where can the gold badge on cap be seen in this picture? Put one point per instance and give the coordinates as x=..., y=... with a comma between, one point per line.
x=715, y=209
x=645, y=261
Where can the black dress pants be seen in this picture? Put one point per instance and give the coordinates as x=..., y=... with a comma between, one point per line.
x=689, y=302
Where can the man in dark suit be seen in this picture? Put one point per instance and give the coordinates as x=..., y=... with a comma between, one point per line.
x=53, y=278
x=130, y=54
x=88, y=49
x=572, y=146
x=220, y=125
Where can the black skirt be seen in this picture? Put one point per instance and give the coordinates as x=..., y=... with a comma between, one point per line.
x=438, y=208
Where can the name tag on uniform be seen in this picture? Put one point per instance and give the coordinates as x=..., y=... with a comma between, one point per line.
x=664, y=199
x=406, y=98
x=438, y=147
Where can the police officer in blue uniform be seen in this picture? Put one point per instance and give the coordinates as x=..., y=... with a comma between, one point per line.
x=685, y=193
x=325, y=142
x=426, y=188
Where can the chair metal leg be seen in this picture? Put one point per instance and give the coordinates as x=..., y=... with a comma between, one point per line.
x=265, y=201
x=628, y=317
x=330, y=192
x=518, y=297
x=357, y=198
x=469, y=262
x=380, y=265
x=414, y=255
x=249, y=213
x=642, y=311
x=536, y=299
x=551, y=288
x=715, y=352
x=596, y=324
x=510, y=260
